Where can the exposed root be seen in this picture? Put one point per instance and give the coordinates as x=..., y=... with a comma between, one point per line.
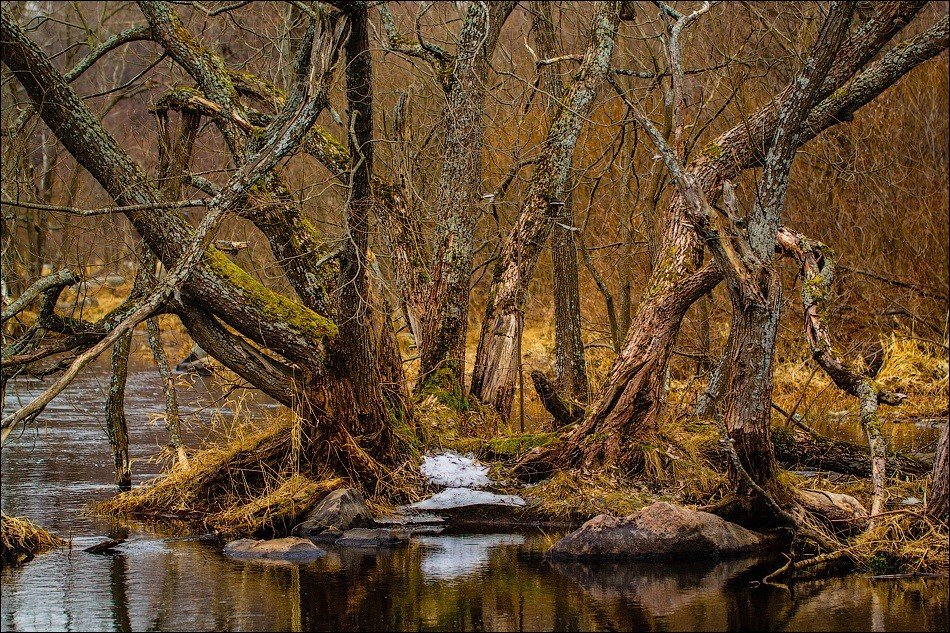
x=255, y=484
x=21, y=540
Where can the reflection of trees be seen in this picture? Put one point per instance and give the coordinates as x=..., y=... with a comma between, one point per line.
x=651, y=596
x=118, y=574
x=390, y=591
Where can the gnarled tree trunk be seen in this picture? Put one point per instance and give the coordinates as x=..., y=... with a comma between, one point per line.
x=496, y=361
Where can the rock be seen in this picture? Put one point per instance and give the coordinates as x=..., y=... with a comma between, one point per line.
x=412, y=524
x=329, y=535
x=659, y=532
x=406, y=519
x=463, y=506
x=115, y=281
x=372, y=537
x=291, y=548
x=341, y=509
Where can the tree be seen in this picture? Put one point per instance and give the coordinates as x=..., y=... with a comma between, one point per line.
x=625, y=412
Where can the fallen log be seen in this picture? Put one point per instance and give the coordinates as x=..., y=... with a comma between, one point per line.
x=796, y=447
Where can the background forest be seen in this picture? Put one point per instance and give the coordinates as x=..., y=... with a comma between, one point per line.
x=498, y=227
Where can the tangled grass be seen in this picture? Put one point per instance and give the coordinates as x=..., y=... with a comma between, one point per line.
x=21, y=540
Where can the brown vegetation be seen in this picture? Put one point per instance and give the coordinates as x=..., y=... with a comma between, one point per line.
x=350, y=209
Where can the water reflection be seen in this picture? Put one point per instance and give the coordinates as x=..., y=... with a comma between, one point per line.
x=452, y=557
x=166, y=581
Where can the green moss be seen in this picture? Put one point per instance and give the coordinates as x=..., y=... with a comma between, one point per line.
x=713, y=150
x=444, y=384
x=310, y=324
x=515, y=445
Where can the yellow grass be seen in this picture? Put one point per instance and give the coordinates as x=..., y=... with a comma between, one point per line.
x=21, y=540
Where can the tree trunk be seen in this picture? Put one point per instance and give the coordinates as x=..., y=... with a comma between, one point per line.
x=570, y=365
x=496, y=361
x=116, y=426
x=937, y=505
x=748, y=405
x=445, y=323
x=357, y=397
x=799, y=448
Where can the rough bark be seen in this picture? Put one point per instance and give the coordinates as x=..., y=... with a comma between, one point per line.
x=732, y=152
x=116, y=425
x=570, y=365
x=818, y=264
x=755, y=287
x=496, y=361
x=937, y=505
x=800, y=448
x=445, y=322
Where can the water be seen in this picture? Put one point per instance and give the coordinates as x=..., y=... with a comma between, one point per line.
x=158, y=580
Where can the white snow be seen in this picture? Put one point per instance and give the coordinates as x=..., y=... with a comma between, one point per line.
x=455, y=471
x=461, y=497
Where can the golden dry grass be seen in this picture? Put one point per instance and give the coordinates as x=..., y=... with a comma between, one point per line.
x=21, y=540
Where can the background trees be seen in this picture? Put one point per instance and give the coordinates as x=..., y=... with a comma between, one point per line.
x=397, y=172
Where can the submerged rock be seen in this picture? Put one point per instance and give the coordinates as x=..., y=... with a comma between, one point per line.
x=376, y=537
x=658, y=532
x=339, y=511
x=291, y=548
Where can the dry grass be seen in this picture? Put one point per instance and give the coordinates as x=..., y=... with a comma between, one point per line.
x=21, y=540
x=572, y=496
x=903, y=542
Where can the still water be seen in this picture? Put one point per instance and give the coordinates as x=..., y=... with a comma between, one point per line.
x=158, y=580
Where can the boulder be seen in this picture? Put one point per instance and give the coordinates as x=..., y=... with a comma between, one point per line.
x=659, y=532
x=341, y=510
x=292, y=549
x=366, y=537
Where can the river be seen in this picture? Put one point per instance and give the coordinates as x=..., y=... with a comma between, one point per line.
x=166, y=581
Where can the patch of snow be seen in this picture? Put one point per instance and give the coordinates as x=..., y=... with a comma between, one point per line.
x=451, y=557
x=461, y=497
x=455, y=471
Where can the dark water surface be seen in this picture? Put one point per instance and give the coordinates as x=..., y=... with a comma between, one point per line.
x=162, y=581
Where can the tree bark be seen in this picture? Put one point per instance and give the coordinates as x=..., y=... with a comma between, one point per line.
x=799, y=448
x=116, y=426
x=496, y=362
x=445, y=322
x=570, y=364
x=937, y=505
x=680, y=254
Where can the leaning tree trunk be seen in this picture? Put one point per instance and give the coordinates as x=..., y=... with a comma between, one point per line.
x=726, y=157
x=937, y=505
x=496, y=361
x=570, y=364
